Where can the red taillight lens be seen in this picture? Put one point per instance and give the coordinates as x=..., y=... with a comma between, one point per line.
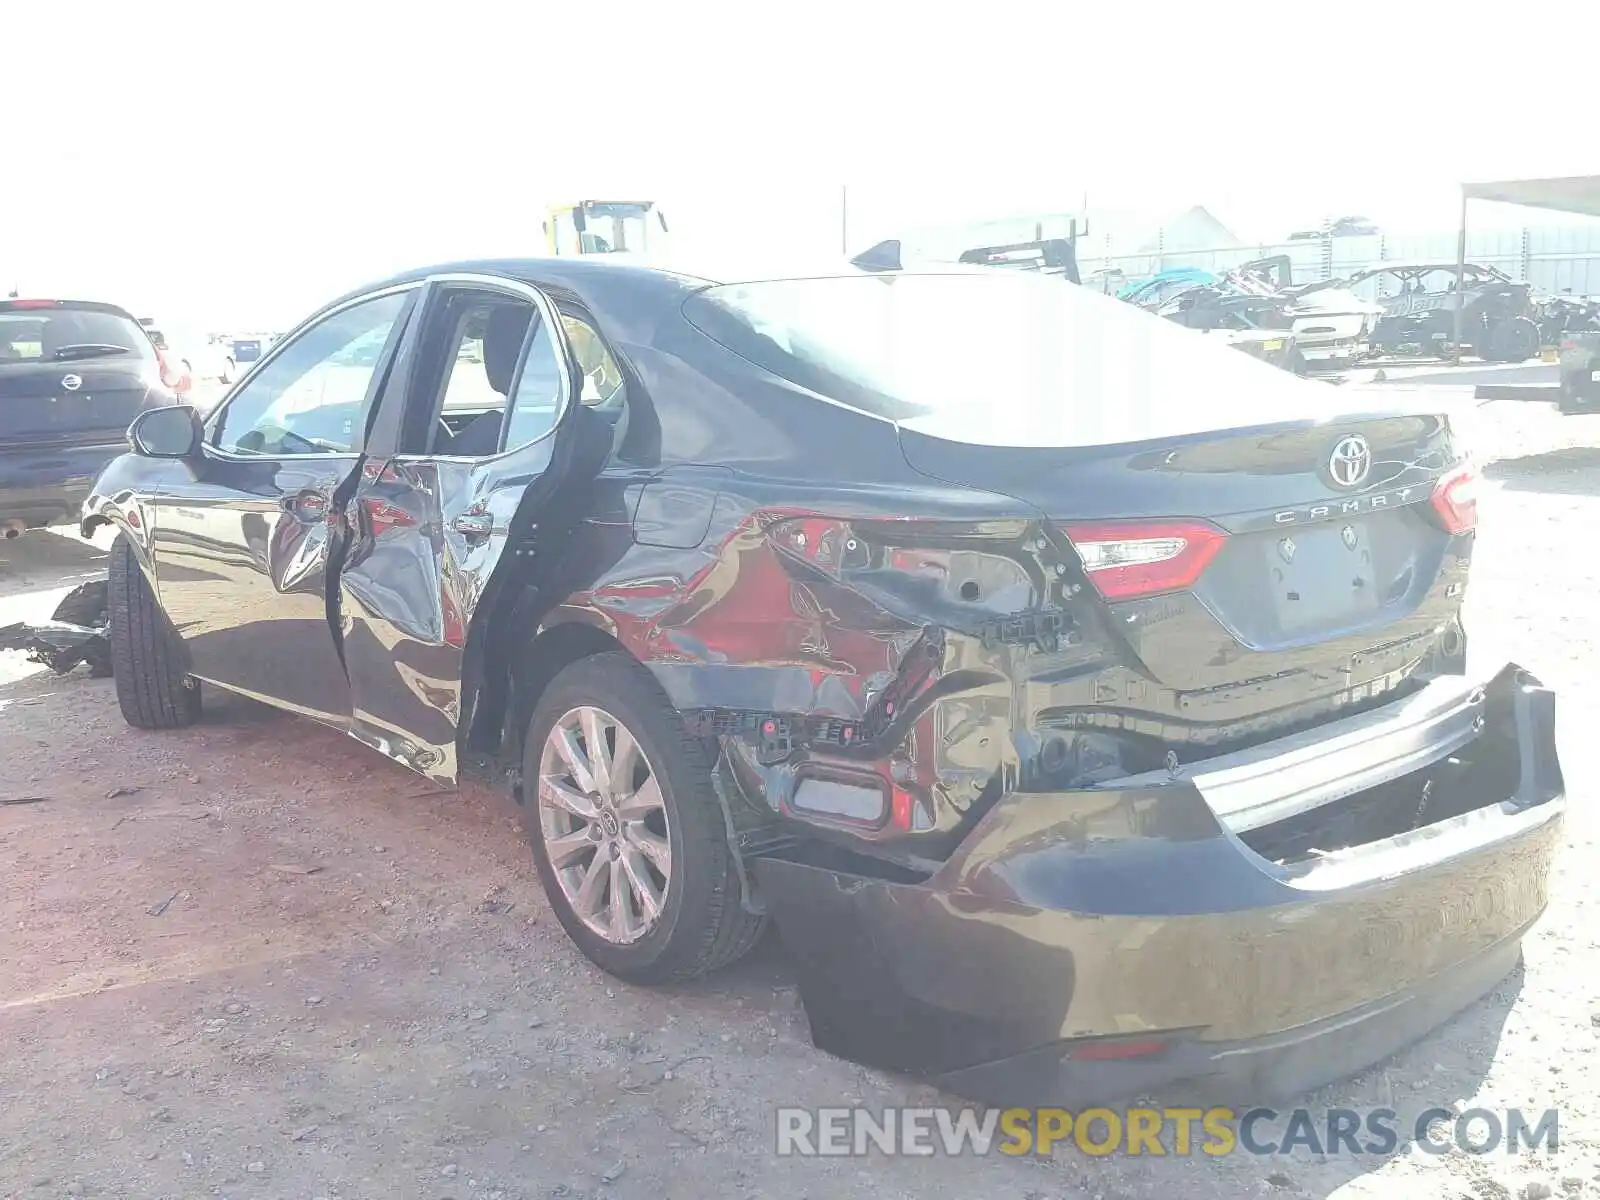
x=1455, y=500
x=16, y=304
x=1141, y=558
x=1113, y=1050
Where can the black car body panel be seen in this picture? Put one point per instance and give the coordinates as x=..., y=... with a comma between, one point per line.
x=963, y=747
x=73, y=374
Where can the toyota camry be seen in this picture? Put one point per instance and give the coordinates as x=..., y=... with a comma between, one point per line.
x=1087, y=706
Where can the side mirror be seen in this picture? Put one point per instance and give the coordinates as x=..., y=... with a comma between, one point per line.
x=174, y=431
x=580, y=220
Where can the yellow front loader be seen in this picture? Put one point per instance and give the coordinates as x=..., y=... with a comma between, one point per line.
x=602, y=227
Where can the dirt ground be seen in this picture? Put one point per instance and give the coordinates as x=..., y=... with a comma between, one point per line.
x=255, y=959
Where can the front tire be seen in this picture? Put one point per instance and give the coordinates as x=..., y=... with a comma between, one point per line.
x=628, y=835
x=153, y=690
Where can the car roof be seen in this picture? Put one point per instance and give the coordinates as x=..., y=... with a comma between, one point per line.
x=592, y=276
x=26, y=304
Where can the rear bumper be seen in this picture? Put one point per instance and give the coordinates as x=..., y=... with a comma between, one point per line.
x=48, y=486
x=1108, y=942
x=1342, y=350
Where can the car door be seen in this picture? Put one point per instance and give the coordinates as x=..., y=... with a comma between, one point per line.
x=438, y=501
x=242, y=537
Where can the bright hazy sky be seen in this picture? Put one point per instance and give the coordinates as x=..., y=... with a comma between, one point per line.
x=235, y=164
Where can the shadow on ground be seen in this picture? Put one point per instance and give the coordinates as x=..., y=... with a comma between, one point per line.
x=1569, y=471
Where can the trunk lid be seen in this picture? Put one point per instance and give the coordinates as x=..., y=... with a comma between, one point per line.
x=1334, y=573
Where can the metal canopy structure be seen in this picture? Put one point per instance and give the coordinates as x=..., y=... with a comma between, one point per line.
x=1563, y=193
x=1568, y=193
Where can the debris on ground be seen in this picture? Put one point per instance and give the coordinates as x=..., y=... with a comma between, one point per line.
x=77, y=632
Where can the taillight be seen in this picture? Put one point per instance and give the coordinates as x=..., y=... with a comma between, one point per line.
x=19, y=304
x=1141, y=558
x=1455, y=499
x=174, y=380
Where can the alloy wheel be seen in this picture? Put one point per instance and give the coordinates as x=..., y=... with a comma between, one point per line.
x=604, y=824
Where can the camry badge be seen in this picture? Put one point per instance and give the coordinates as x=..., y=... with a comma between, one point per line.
x=1350, y=461
x=71, y=382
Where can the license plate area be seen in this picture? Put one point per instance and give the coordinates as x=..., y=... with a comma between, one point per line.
x=1323, y=576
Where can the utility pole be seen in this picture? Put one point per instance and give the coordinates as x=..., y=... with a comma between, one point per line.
x=1461, y=274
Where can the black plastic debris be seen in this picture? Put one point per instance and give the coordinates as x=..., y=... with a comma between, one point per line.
x=77, y=632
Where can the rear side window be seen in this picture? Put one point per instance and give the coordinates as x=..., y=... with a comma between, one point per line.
x=67, y=333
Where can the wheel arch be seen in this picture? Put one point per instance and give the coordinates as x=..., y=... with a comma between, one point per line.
x=130, y=527
x=528, y=659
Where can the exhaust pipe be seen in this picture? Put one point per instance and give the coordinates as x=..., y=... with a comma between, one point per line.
x=12, y=529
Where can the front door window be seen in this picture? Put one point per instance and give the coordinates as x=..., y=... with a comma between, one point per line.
x=312, y=397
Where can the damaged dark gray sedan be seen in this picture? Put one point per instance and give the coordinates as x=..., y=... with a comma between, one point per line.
x=1087, y=707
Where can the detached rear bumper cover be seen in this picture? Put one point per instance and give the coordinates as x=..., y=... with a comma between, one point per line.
x=1135, y=911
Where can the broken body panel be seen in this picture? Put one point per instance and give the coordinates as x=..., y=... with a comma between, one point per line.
x=935, y=710
x=74, y=635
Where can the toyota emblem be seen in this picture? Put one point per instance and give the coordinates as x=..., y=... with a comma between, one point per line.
x=1350, y=461
x=71, y=382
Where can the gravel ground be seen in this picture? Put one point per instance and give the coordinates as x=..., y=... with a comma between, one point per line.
x=254, y=959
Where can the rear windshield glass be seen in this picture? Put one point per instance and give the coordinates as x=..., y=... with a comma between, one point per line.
x=996, y=357
x=68, y=334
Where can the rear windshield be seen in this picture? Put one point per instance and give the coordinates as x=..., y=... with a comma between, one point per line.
x=68, y=334
x=995, y=357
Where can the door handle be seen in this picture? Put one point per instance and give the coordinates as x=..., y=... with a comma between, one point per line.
x=307, y=506
x=474, y=526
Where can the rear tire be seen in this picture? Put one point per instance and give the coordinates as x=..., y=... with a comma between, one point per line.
x=1513, y=341
x=152, y=689
x=701, y=924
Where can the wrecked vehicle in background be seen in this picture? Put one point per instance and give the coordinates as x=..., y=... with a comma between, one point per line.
x=1329, y=327
x=1332, y=326
x=1565, y=313
x=1257, y=325
x=1420, y=301
x=1088, y=710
